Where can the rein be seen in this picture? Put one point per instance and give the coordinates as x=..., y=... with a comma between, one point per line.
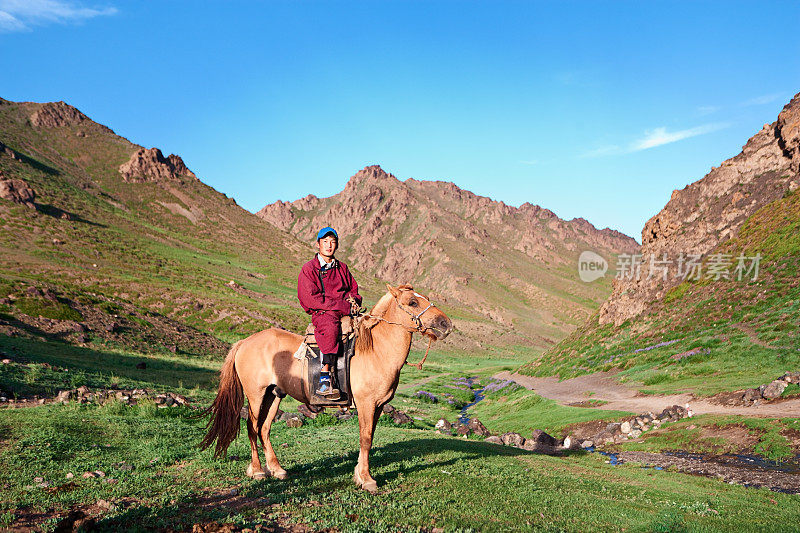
x=417, y=322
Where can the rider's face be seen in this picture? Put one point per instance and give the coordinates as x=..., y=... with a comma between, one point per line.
x=327, y=246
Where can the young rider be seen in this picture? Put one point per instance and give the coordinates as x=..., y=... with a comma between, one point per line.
x=327, y=292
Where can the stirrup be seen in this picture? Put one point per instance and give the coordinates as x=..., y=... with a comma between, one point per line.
x=327, y=391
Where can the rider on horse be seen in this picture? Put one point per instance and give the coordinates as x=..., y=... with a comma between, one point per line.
x=327, y=292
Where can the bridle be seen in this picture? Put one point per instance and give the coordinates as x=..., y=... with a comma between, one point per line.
x=417, y=320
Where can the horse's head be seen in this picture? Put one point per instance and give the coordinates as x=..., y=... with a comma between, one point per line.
x=417, y=312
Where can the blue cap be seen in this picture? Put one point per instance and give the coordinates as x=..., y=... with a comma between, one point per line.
x=324, y=232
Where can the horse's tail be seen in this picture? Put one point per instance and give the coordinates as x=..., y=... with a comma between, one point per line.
x=224, y=425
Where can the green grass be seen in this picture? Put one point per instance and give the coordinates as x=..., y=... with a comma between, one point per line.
x=793, y=389
x=700, y=434
x=49, y=309
x=523, y=411
x=52, y=366
x=426, y=480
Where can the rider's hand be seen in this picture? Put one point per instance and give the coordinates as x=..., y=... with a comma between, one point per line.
x=354, y=307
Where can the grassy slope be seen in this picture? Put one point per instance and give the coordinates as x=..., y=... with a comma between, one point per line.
x=426, y=480
x=124, y=245
x=747, y=332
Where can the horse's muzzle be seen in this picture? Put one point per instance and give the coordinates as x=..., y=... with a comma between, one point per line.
x=441, y=327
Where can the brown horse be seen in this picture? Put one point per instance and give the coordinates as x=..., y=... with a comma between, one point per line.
x=262, y=368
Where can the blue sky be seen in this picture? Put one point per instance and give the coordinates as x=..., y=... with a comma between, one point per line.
x=590, y=109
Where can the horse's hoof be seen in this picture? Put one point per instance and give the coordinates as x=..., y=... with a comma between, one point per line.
x=255, y=474
x=371, y=486
x=280, y=474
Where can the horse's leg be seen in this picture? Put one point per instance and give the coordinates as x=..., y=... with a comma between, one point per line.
x=254, y=469
x=367, y=420
x=272, y=460
x=256, y=404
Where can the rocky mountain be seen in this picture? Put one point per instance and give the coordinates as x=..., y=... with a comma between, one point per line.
x=516, y=267
x=104, y=241
x=732, y=321
x=711, y=210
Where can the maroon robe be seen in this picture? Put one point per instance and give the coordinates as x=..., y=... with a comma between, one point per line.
x=323, y=295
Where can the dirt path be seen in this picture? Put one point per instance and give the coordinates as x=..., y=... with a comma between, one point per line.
x=603, y=386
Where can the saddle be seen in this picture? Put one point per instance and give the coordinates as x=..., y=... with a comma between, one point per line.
x=312, y=362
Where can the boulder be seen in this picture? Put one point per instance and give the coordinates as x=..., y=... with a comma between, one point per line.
x=571, y=443
x=774, y=390
x=17, y=191
x=512, y=439
x=308, y=411
x=463, y=430
x=625, y=427
x=388, y=408
x=399, y=417
x=343, y=414
x=477, y=428
x=791, y=377
x=751, y=395
x=494, y=439
x=443, y=426
x=543, y=438
x=63, y=396
x=294, y=421
x=533, y=446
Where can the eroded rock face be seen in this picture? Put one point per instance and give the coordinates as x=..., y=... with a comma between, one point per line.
x=56, y=114
x=434, y=234
x=707, y=212
x=17, y=191
x=151, y=165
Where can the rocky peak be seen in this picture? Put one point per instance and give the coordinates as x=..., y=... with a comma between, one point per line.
x=787, y=130
x=151, y=165
x=711, y=210
x=56, y=114
x=372, y=173
x=371, y=177
x=437, y=235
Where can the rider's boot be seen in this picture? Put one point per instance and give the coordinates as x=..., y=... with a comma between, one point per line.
x=326, y=388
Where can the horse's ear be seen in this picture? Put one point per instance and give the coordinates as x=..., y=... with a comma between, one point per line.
x=395, y=292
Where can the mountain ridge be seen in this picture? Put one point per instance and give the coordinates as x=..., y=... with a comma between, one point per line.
x=463, y=247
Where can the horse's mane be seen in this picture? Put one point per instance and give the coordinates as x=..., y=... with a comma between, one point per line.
x=364, y=341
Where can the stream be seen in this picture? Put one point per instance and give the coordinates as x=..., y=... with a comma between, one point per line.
x=741, y=469
x=463, y=417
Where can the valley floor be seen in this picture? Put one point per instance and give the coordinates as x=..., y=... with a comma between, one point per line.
x=137, y=467
x=604, y=387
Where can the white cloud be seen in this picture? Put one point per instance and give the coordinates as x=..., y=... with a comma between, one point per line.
x=653, y=138
x=660, y=136
x=9, y=23
x=707, y=109
x=22, y=15
x=603, y=150
x=763, y=99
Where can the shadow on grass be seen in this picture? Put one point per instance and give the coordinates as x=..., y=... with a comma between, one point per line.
x=72, y=366
x=312, y=481
x=56, y=212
